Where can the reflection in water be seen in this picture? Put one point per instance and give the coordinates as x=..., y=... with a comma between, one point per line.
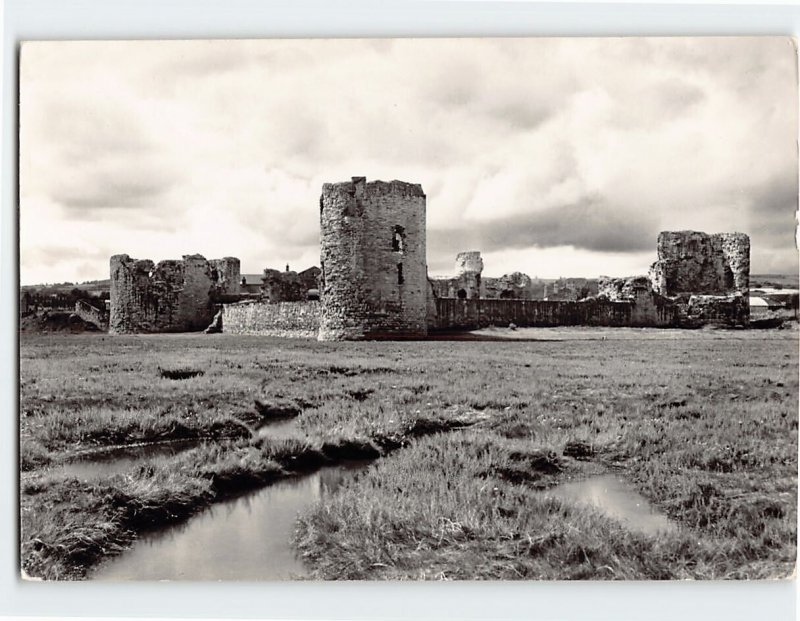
x=282, y=428
x=614, y=497
x=247, y=538
x=117, y=461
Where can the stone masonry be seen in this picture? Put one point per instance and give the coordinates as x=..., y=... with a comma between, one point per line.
x=648, y=308
x=468, y=282
x=373, y=283
x=172, y=296
x=621, y=289
x=288, y=286
x=690, y=262
x=282, y=319
x=469, y=266
x=707, y=275
x=374, y=279
x=513, y=286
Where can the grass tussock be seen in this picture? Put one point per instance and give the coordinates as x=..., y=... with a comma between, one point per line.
x=60, y=433
x=444, y=509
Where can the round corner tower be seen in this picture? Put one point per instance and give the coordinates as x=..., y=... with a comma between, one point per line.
x=374, y=276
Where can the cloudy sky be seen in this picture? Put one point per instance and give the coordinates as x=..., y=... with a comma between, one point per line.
x=555, y=157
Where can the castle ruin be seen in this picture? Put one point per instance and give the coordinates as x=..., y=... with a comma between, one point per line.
x=696, y=263
x=468, y=283
x=373, y=283
x=289, y=286
x=705, y=277
x=374, y=279
x=171, y=296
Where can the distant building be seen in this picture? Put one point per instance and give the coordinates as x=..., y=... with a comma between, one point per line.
x=251, y=283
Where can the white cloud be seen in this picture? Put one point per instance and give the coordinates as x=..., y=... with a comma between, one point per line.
x=157, y=149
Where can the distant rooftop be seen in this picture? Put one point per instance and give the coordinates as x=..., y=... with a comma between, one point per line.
x=252, y=279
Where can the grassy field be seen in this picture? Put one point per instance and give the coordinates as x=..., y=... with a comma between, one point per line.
x=467, y=434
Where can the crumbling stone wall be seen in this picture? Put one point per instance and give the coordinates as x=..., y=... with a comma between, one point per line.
x=453, y=313
x=91, y=314
x=621, y=289
x=172, y=296
x=469, y=266
x=570, y=289
x=468, y=282
x=226, y=273
x=289, y=286
x=514, y=286
x=648, y=307
x=283, y=319
x=691, y=262
x=700, y=310
x=708, y=276
x=374, y=280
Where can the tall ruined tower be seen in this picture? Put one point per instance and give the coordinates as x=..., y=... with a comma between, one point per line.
x=469, y=266
x=374, y=278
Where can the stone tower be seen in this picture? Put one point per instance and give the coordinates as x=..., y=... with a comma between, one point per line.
x=469, y=266
x=374, y=279
x=691, y=262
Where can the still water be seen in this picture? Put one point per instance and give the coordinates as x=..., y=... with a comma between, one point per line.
x=105, y=464
x=281, y=428
x=246, y=538
x=617, y=499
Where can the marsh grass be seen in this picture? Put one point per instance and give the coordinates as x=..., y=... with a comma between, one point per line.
x=438, y=510
x=703, y=423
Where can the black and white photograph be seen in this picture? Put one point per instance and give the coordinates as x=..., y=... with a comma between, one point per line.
x=408, y=309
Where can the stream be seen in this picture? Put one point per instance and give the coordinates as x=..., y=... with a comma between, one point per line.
x=246, y=538
x=249, y=537
x=95, y=466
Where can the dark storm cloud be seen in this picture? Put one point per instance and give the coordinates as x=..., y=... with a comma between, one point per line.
x=110, y=190
x=777, y=196
x=589, y=224
x=772, y=211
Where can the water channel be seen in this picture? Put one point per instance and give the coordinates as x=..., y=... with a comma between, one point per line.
x=246, y=538
x=249, y=537
x=95, y=466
